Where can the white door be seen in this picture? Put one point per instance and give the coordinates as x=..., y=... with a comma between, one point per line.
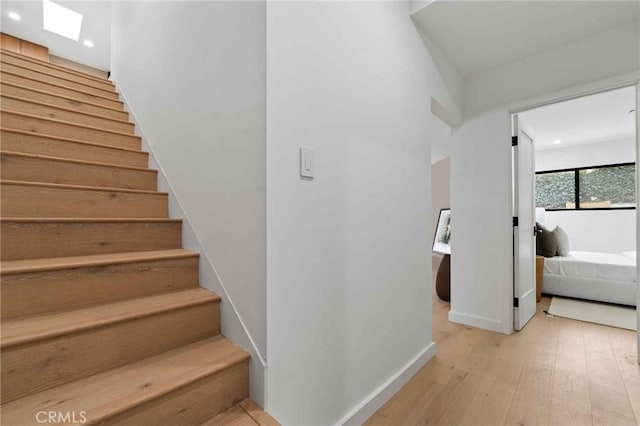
x=524, y=259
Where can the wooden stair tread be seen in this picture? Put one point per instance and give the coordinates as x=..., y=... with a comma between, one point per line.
x=50, y=65
x=54, y=263
x=68, y=160
x=62, y=108
x=48, y=86
x=40, y=199
x=60, y=89
x=256, y=412
x=234, y=416
x=71, y=89
x=36, y=124
x=33, y=143
x=9, y=83
x=69, y=123
x=3, y=64
x=106, y=394
x=29, y=329
x=246, y=413
x=45, y=136
x=80, y=187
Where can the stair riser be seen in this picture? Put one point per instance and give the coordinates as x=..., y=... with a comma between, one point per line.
x=63, y=91
x=31, y=169
x=45, y=111
x=34, y=367
x=52, y=99
x=41, y=145
x=33, y=293
x=56, y=72
x=31, y=240
x=47, y=78
x=35, y=201
x=193, y=404
x=65, y=130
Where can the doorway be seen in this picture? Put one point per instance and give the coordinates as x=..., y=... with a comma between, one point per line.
x=574, y=163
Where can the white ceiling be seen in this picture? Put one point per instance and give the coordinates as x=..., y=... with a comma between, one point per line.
x=96, y=26
x=480, y=35
x=596, y=118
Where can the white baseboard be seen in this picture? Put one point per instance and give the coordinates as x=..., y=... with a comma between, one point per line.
x=479, y=322
x=372, y=403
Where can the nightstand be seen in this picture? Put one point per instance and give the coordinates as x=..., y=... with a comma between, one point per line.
x=539, y=274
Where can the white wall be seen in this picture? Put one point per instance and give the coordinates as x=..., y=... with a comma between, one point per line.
x=592, y=154
x=607, y=231
x=445, y=82
x=193, y=74
x=611, y=231
x=610, y=53
x=440, y=190
x=481, y=240
x=440, y=139
x=349, y=264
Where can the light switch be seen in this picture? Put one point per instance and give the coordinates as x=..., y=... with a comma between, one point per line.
x=306, y=162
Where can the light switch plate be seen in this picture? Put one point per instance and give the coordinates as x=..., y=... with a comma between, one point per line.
x=306, y=162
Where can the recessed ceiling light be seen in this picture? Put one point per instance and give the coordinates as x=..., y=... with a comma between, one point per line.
x=15, y=16
x=557, y=142
x=88, y=43
x=60, y=20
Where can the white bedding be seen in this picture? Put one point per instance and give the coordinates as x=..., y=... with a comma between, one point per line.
x=604, y=266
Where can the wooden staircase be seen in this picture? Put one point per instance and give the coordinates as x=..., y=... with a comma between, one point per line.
x=102, y=315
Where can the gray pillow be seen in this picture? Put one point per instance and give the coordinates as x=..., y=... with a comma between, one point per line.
x=563, y=241
x=546, y=243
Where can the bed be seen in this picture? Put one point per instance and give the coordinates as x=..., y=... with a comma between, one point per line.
x=603, y=277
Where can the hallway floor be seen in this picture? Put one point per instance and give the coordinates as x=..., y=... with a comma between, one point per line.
x=555, y=372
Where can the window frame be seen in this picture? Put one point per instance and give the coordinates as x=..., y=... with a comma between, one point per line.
x=576, y=174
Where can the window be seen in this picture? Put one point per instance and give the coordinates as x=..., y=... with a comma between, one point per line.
x=556, y=190
x=61, y=20
x=587, y=188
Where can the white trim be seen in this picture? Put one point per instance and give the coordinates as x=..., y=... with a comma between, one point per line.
x=258, y=363
x=479, y=322
x=561, y=95
x=574, y=92
x=376, y=399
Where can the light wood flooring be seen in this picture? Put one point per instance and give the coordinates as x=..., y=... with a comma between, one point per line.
x=555, y=372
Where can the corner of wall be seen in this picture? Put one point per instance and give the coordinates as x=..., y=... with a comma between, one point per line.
x=376, y=399
x=232, y=324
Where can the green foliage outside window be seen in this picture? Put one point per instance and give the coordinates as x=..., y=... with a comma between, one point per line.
x=555, y=190
x=599, y=187
x=608, y=185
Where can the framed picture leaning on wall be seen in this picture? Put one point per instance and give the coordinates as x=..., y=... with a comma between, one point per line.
x=443, y=233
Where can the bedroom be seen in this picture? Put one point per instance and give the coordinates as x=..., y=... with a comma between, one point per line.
x=585, y=200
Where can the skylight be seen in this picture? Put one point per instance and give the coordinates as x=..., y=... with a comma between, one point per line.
x=60, y=20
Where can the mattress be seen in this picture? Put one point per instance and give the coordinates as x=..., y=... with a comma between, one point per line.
x=619, y=292
x=599, y=266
